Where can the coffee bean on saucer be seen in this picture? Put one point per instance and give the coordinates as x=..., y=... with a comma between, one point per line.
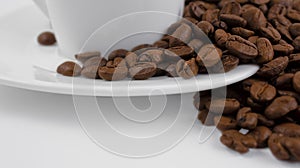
x=90, y=72
x=143, y=70
x=113, y=73
x=82, y=57
x=46, y=38
x=117, y=53
x=69, y=69
x=95, y=61
x=187, y=69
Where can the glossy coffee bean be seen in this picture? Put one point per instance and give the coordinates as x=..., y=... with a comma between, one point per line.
x=46, y=38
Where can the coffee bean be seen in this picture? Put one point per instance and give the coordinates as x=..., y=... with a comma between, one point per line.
x=281, y=106
x=255, y=18
x=171, y=71
x=295, y=29
x=293, y=14
x=183, y=33
x=288, y=129
x=225, y=106
x=262, y=120
x=117, y=62
x=221, y=37
x=117, y=53
x=246, y=118
x=289, y=93
x=198, y=8
x=271, y=33
x=237, y=141
x=274, y=68
x=245, y=33
x=184, y=52
x=260, y=2
x=113, y=73
x=264, y=8
x=82, y=57
x=262, y=92
x=90, y=72
x=95, y=61
x=209, y=55
x=283, y=30
x=296, y=43
x=46, y=38
x=161, y=44
x=187, y=69
x=196, y=44
x=253, y=39
x=69, y=69
x=241, y=47
x=296, y=82
x=229, y=63
x=261, y=134
x=143, y=70
x=225, y=123
x=285, y=81
x=152, y=55
x=232, y=8
x=265, y=51
x=283, y=48
x=233, y=20
x=142, y=46
x=206, y=27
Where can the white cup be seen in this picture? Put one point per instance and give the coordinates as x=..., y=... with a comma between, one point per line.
x=74, y=22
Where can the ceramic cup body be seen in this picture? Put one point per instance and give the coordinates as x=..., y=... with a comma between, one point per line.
x=75, y=21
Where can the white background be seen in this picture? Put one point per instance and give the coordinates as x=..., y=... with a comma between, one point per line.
x=40, y=130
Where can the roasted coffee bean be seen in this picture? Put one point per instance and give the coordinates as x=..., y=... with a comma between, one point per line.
x=187, y=69
x=265, y=51
x=161, y=44
x=284, y=148
x=69, y=69
x=296, y=43
x=261, y=134
x=260, y=2
x=113, y=73
x=253, y=39
x=152, y=55
x=143, y=70
x=117, y=53
x=142, y=46
x=206, y=27
x=212, y=16
x=254, y=105
x=225, y=123
x=283, y=30
x=255, y=18
x=82, y=57
x=46, y=38
x=295, y=29
x=184, y=52
x=95, y=61
x=274, y=68
x=271, y=33
x=232, y=8
x=288, y=129
x=264, y=8
x=262, y=120
x=286, y=3
x=223, y=106
x=131, y=59
x=246, y=118
x=296, y=82
x=262, y=92
x=206, y=118
x=175, y=42
x=284, y=81
x=242, y=48
x=296, y=5
x=294, y=59
x=237, y=141
x=117, y=62
x=221, y=37
x=198, y=8
x=229, y=63
x=90, y=72
x=283, y=48
x=281, y=106
x=245, y=33
x=293, y=14
x=196, y=44
x=247, y=84
x=183, y=33
x=171, y=71
x=289, y=93
x=276, y=10
x=233, y=20
x=209, y=55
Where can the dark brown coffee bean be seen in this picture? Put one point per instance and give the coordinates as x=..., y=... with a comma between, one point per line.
x=295, y=29
x=142, y=46
x=247, y=84
x=183, y=33
x=264, y=8
x=271, y=33
x=276, y=10
x=262, y=120
x=82, y=57
x=262, y=92
x=296, y=5
x=196, y=44
x=187, y=69
x=288, y=129
x=161, y=44
x=246, y=118
x=274, y=68
x=233, y=20
x=294, y=59
x=95, y=61
x=184, y=52
x=46, y=38
x=171, y=71
x=283, y=30
x=287, y=3
x=174, y=42
x=293, y=15
x=284, y=81
x=117, y=53
x=265, y=51
x=223, y=106
x=212, y=16
x=280, y=107
x=255, y=105
x=206, y=27
x=90, y=72
x=283, y=48
x=152, y=55
x=241, y=48
x=131, y=59
x=253, y=39
x=296, y=82
x=143, y=70
x=232, y=8
x=209, y=55
x=282, y=20
x=260, y=2
x=235, y=140
x=289, y=93
x=296, y=43
x=255, y=14
x=229, y=62
x=113, y=74
x=284, y=148
x=117, y=62
x=69, y=69
x=221, y=37
x=225, y=123
x=206, y=118
x=261, y=134
x=245, y=33
x=198, y=8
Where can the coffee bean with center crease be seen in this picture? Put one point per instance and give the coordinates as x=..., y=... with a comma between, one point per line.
x=143, y=70
x=246, y=118
x=295, y=29
x=265, y=50
x=271, y=33
x=293, y=15
x=255, y=18
x=82, y=57
x=296, y=43
x=95, y=61
x=183, y=33
x=281, y=106
x=223, y=106
x=209, y=55
x=152, y=55
x=276, y=10
x=117, y=53
x=198, y=8
x=262, y=92
x=221, y=37
x=288, y=129
x=233, y=20
x=224, y=123
x=245, y=33
x=229, y=62
x=175, y=53
x=283, y=48
x=69, y=69
x=187, y=69
x=296, y=82
x=273, y=68
x=113, y=73
x=232, y=8
x=206, y=27
x=46, y=38
x=242, y=48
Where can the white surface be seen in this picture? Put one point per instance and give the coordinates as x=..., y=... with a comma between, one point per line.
x=40, y=130
x=26, y=64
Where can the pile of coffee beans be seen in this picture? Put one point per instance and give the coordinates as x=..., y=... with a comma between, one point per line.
x=264, y=110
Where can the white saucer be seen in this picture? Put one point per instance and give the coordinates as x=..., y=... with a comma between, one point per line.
x=25, y=64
